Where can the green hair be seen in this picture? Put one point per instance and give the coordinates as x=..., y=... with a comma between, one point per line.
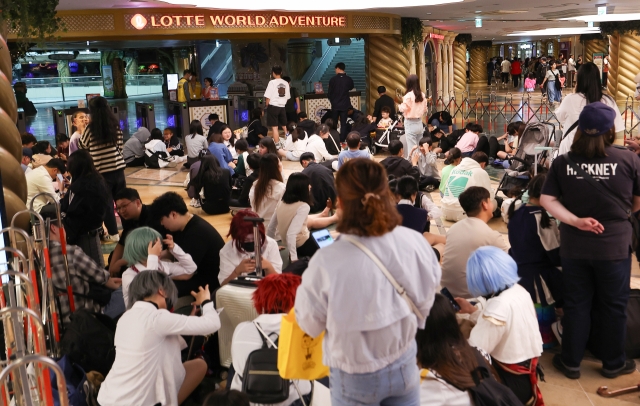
x=136, y=247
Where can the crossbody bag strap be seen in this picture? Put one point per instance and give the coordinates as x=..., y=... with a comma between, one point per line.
x=573, y=126
x=598, y=186
x=401, y=291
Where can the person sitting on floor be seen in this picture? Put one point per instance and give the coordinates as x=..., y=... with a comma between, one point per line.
x=442, y=120
x=241, y=148
x=212, y=186
x=267, y=146
x=507, y=326
x=195, y=142
x=133, y=150
x=253, y=163
x=492, y=147
x=295, y=145
x=292, y=219
x=149, y=326
x=323, y=186
x=396, y=165
x=273, y=298
x=40, y=180
x=425, y=159
x=309, y=126
x=413, y=217
x=333, y=141
x=353, y=150
x=470, y=172
x=220, y=150
x=455, y=156
x=466, y=236
x=468, y=142
x=195, y=235
x=143, y=251
x=62, y=146
x=172, y=143
x=317, y=146
x=256, y=131
x=267, y=190
x=237, y=257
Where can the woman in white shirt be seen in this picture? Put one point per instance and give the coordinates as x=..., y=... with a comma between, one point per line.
x=268, y=189
x=195, y=142
x=293, y=221
x=273, y=298
x=142, y=252
x=588, y=90
x=369, y=343
x=414, y=106
x=237, y=256
x=148, y=369
x=79, y=121
x=507, y=326
x=295, y=144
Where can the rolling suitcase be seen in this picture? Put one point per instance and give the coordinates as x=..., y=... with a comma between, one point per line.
x=238, y=307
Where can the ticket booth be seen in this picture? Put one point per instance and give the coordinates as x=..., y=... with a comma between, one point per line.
x=200, y=110
x=316, y=105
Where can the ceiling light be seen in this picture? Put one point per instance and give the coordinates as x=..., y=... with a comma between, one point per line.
x=557, y=31
x=606, y=17
x=292, y=5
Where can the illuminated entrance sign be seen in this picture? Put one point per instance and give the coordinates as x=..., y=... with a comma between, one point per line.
x=436, y=36
x=167, y=21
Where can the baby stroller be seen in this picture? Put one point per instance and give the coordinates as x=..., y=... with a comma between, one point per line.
x=393, y=132
x=517, y=175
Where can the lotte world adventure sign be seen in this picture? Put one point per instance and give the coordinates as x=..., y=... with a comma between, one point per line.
x=175, y=21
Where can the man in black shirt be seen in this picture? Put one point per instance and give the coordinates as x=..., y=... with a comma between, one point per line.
x=322, y=182
x=133, y=214
x=215, y=125
x=292, y=108
x=195, y=236
x=339, y=87
x=383, y=100
x=396, y=165
x=253, y=162
x=307, y=125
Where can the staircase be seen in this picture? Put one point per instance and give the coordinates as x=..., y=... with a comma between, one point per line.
x=353, y=57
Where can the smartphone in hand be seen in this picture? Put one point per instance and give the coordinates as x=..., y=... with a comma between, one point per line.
x=445, y=292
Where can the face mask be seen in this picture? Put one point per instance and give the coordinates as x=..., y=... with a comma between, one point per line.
x=248, y=246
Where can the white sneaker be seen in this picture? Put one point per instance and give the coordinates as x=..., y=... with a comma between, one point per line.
x=194, y=203
x=557, y=330
x=111, y=238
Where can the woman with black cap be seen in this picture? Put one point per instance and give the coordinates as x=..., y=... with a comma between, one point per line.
x=590, y=190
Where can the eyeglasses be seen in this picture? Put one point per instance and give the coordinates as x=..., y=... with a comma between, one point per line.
x=120, y=208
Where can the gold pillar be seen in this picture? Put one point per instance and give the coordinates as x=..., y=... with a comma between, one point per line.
x=627, y=67
x=14, y=181
x=556, y=45
x=478, y=58
x=495, y=50
x=594, y=46
x=387, y=65
x=614, y=58
x=459, y=66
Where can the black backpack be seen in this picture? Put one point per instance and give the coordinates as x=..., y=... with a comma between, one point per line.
x=488, y=391
x=261, y=380
x=557, y=84
x=89, y=341
x=152, y=160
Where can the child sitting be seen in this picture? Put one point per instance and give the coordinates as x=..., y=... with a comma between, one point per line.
x=353, y=151
x=530, y=82
x=295, y=144
x=413, y=217
x=468, y=142
x=424, y=158
x=172, y=143
x=242, y=149
x=385, y=121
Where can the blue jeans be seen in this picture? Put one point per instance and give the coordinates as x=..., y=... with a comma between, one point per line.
x=595, y=308
x=552, y=93
x=413, y=130
x=397, y=384
x=116, y=305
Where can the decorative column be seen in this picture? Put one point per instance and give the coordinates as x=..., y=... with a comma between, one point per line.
x=614, y=58
x=14, y=183
x=422, y=70
x=478, y=58
x=387, y=65
x=439, y=63
x=459, y=66
x=556, y=45
x=495, y=50
x=594, y=46
x=450, y=39
x=627, y=66
x=445, y=71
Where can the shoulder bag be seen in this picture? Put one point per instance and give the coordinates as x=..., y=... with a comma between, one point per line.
x=401, y=291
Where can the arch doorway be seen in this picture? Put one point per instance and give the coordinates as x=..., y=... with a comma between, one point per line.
x=430, y=67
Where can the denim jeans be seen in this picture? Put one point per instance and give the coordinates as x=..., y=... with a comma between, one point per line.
x=397, y=384
x=595, y=306
x=552, y=93
x=116, y=305
x=413, y=130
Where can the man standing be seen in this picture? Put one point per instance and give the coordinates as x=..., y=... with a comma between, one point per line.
x=322, y=182
x=276, y=96
x=184, y=93
x=491, y=66
x=339, y=87
x=506, y=70
x=293, y=104
x=195, y=88
x=383, y=101
x=571, y=71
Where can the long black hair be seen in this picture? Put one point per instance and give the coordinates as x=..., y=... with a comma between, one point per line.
x=195, y=127
x=297, y=189
x=209, y=173
x=104, y=125
x=413, y=85
x=296, y=132
x=588, y=82
x=80, y=165
x=535, y=190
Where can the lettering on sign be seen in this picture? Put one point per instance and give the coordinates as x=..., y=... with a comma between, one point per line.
x=436, y=36
x=141, y=22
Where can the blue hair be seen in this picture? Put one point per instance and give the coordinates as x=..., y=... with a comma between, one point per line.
x=490, y=270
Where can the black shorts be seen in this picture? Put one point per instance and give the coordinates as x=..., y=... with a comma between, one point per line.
x=276, y=116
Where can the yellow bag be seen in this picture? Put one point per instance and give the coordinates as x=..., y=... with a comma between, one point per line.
x=299, y=355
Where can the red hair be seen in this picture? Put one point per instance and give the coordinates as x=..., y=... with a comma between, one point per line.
x=240, y=229
x=276, y=293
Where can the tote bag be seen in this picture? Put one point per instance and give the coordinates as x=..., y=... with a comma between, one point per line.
x=299, y=355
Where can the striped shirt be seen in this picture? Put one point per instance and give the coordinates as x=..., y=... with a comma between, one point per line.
x=106, y=157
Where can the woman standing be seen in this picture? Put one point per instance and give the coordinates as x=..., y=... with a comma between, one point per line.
x=85, y=205
x=208, y=87
x=596, y=240
x=588, y=90
x=79, y=121
x=369, y=341
x=103, y=139
x=413, y=107
x=267, y=190
x=554, y=93
x=195, y=142
x=216, y=183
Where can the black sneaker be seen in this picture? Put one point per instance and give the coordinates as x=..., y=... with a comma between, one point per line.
x=628, y=368
x=569, y=373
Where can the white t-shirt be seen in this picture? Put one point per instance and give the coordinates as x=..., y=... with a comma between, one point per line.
x=506, y=66
x=230, y=257
x=435, y=391
x=269, y=202
x=277, y=92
